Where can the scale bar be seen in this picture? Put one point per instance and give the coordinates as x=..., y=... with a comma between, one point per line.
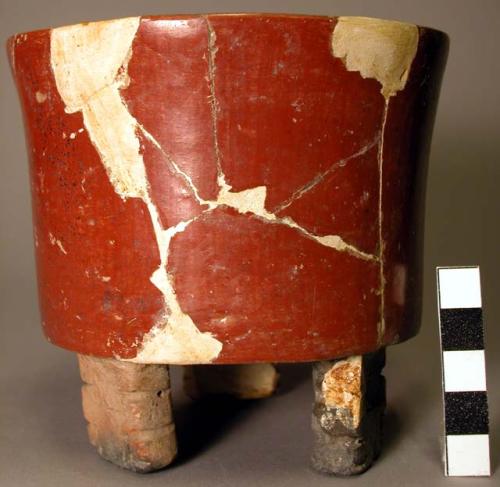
x=464, y=374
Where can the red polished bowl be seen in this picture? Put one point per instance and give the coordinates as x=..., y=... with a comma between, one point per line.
x=229, y=188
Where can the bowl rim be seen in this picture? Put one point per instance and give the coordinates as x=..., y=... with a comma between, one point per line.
x=208, y=16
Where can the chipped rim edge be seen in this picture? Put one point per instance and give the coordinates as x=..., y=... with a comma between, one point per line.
x=194, y=16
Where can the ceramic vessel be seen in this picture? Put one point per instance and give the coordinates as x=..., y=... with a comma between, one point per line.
x=229, y=189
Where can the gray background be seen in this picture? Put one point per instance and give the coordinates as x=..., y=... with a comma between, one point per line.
x=42, y=434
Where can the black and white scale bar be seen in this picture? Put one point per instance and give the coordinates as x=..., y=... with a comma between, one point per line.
x=464, y=376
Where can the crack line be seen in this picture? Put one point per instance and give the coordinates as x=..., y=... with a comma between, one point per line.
x=214, y=105
x=321, y=176
x=381, y=325
x=172, y=162
x=333, y=241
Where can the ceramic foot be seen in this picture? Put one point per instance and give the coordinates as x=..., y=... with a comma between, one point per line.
x=246, y=381
x=129, y=413
x=348, y=413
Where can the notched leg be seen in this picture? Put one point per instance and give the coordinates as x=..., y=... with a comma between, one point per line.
x=129, y=412
x=348, y=413
x=245, y=381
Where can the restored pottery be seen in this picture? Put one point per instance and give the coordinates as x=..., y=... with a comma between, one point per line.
x=230, y=189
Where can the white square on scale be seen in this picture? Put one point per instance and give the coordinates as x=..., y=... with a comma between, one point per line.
x=464, y=370
x=468, y=455
x=459, y=287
